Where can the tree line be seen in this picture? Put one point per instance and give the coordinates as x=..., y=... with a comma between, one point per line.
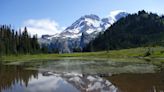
x=136, y=30
x=17, y=42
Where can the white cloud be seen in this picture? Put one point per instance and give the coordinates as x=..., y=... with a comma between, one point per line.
x=115, y=12
x=42, y=26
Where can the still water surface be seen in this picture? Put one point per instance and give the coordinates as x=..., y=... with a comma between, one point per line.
x=73, y=75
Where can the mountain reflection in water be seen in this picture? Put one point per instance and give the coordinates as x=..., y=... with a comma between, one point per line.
x=17, y=79
x=80, y=76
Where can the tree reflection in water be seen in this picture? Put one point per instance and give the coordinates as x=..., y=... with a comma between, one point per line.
x=17, y=79
x=11, y=75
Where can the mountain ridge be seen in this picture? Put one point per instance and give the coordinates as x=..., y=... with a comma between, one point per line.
x=90, y=25
x=136, y=30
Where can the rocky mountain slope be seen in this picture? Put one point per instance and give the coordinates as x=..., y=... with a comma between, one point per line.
x=80, y=33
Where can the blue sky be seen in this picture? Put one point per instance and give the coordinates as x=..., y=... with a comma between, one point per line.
x=65, y=12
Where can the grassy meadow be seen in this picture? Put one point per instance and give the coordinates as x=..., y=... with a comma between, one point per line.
x=154, y=52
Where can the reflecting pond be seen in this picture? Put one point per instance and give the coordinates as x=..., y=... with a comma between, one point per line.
x=76, y=75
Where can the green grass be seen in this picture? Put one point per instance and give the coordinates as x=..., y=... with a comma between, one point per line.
x=156, y=52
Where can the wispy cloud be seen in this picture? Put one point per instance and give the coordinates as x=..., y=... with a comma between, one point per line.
x=42, y=26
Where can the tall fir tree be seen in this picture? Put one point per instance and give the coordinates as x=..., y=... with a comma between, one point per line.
x=17, y=42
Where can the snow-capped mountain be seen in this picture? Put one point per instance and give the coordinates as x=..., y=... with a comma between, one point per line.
x=81, y=32
x=86, y=23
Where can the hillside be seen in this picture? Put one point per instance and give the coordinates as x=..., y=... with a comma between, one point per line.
x=135, y=30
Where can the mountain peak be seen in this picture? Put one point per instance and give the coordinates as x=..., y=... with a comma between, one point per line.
x=84, y=23
x=83, y=30
x=92, y=22
x=91, y=16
